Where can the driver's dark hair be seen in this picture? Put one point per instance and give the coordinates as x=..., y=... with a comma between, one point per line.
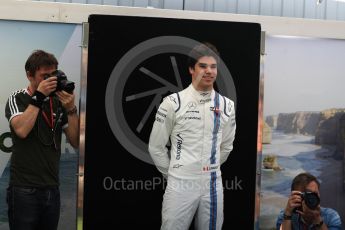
x=302, y=180
x=38, y=59
x=202, y=50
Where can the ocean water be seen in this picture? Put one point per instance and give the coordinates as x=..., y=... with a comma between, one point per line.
x=68, y=191
x=295, y=154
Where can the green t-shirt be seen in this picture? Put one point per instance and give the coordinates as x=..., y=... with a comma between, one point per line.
x=35, y=159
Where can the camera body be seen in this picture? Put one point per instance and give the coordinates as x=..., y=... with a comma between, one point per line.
x=311, y=199
x=62, y=82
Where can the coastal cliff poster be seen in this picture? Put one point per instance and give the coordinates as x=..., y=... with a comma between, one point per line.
x=304, y=114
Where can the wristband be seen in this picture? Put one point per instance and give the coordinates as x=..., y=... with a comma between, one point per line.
x=72, y=111
x=287, y=217
x=37, y=99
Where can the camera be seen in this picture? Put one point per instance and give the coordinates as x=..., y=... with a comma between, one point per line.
x=62, y=82
x=311, y=199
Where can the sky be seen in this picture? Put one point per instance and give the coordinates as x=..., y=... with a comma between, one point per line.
x=303, y=74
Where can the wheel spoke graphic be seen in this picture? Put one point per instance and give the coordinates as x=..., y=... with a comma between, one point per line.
x=176, y=72
x=158, y=92
x=172, y=88
x=147, y=93
x=153, y=104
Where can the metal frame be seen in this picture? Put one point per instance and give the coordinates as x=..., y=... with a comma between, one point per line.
x=82, y=125
x=260, y=131
x=83, y=91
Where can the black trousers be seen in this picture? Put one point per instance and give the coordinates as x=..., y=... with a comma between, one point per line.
x=32, y=208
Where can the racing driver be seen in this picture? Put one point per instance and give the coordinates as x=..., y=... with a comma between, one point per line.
x=200, y=124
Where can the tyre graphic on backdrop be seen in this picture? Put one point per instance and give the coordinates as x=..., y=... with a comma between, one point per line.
x=137, y=60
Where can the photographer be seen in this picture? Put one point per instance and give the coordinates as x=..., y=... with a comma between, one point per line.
x=37, y=116
x=303, y=210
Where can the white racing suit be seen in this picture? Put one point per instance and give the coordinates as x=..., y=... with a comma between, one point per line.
x=201, y=127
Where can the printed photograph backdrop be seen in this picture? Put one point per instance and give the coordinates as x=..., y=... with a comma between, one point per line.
x=17, y=40
x=132, y=71
x=304, y=112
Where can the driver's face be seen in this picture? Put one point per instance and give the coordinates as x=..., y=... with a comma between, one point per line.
x=204, y=73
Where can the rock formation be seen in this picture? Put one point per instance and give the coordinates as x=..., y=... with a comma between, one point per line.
x=266, y=134
x=300, y=122
x=271, y=120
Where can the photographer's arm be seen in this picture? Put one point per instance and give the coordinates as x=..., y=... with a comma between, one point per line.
x=72, y=131
x=22, y=123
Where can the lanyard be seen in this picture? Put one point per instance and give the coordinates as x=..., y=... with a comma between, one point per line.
x=51, y=122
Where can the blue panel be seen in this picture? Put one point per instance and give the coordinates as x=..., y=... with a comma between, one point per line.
x=221, y=6
x=254, y=6
x=327, y=9
x=141, y=3
x=156, y=3
x=232, y=6
x=209, y=5
x=110, y=2
x=310, y=9
x=299, y=8
x=95, y=2
x=125, y=3
x=266, y=7
x=173, y=4
x=78, y=1
x=194, y=5
x=288, y=8
x=331, y=12
x=243, y=7
x=341, y=11
x=277, y=7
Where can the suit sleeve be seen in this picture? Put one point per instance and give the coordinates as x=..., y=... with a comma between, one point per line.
x=160, y=134
x=228, y=135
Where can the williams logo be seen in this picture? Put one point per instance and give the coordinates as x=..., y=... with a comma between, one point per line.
x=178, y=146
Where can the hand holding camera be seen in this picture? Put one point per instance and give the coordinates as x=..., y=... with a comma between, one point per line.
x=47, y=86
x=311, y=201
x=310, y=208
x=62, y=83
x=57, y=84
x=294, y=202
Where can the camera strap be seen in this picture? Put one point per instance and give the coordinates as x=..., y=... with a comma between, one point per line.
x=51, y=122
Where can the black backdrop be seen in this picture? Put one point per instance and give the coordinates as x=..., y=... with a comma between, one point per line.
x=123, y=192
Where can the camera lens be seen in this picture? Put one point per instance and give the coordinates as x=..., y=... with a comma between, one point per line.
x=312, y=200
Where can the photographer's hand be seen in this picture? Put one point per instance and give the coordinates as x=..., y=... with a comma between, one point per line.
x=72, y=131
x=47, y=86
x=67, y=100
x=311, y=216
x=294, y=201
